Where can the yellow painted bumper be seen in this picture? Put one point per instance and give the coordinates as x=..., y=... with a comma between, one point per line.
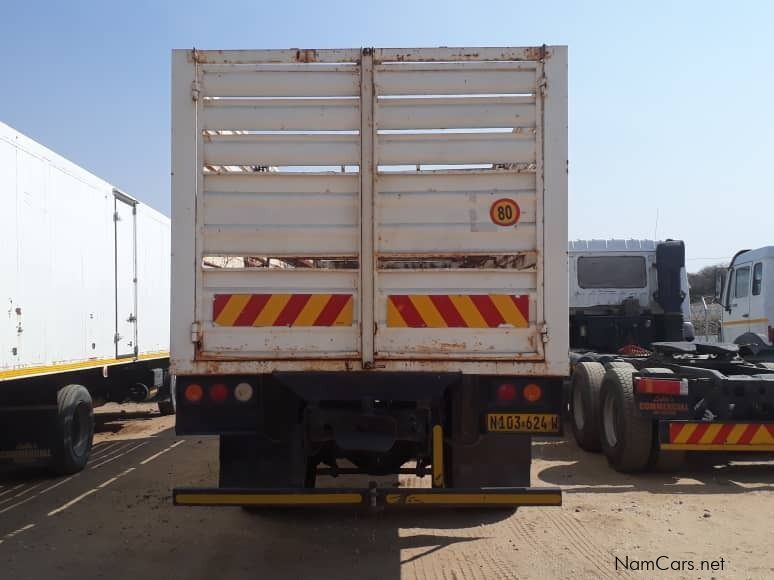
x=500, y=497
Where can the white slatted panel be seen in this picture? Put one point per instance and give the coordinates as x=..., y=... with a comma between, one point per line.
x=270, y=116
x=280, y=81
x=466, y=114
x=281, y=149
x=455, y=78
x=461, y=112
x=281, y=114
x=260, y=343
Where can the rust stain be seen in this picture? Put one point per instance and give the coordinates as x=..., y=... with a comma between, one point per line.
x=306, y=55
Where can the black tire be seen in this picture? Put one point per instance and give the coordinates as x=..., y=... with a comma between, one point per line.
x=626, y=435
x=661, y=460
x=74, y=430
x=584, y=404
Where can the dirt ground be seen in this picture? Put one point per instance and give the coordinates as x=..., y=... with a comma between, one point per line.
x=115, y=520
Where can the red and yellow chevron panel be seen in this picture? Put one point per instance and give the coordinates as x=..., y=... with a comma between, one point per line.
x=457, y=310
x=282, y=310
x=706, y=436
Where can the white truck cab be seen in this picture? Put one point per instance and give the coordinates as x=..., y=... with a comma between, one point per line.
x=622, y=292
x=746, y=292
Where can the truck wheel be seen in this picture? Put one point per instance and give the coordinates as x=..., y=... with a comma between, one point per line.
x=584, y=404
x=661, y=460
x=74, y=430
x=626, y=435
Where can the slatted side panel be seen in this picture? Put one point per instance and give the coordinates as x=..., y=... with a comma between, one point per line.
x=280, y=146
x=454, y=139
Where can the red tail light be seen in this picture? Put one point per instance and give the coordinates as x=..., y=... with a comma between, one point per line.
x=193, y=393
x=532, y=393
x=506, y=393
x=218, y=392
x=652, y=386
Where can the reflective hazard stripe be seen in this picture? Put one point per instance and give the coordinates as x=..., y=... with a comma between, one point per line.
x=282, y=310
x=457, y=310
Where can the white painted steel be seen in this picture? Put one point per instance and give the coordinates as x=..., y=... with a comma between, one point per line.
x=368, y=166
x=455, y=148
x=301, y=150
x=513, y=103
x=456, y=113
x=754, y=312
x=281, y=114
x=300, y=81
x=57, y=253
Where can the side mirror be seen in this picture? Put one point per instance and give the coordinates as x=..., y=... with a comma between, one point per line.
x=720, y=278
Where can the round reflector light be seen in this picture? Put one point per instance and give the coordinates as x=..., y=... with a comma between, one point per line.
x=193, y=393
x=243, y=392
x=218, y=392
x=533, y=392
x=506, y=393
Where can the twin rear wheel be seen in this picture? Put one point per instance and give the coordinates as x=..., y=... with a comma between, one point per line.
x=604, y=416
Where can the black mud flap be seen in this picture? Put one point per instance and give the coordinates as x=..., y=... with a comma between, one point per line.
x=372, y=498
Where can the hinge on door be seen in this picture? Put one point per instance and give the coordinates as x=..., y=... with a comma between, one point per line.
x=195, y=90
x=116, y=217
x=196, y=332
x=116, y=338
x=543, y=85
x=544, y=333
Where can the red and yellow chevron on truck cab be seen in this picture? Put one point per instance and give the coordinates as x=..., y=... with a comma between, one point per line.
x=457, y=310
x=708, y=436
x=282, y=310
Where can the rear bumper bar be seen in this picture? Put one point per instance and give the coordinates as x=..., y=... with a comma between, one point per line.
x=716, y=436
x=373, y=498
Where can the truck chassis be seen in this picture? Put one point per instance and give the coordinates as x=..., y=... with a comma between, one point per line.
x=645, y=412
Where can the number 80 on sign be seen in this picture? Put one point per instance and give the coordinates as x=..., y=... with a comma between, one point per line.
x=504, y=212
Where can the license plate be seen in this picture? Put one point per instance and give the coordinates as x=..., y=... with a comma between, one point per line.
x=522, y=422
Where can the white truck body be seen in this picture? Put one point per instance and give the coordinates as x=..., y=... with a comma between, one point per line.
x=378, y=159
x=85, y=267
x=748, y=295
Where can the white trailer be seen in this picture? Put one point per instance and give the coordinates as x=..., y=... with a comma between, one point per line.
x=85, y=287
x=402, y=219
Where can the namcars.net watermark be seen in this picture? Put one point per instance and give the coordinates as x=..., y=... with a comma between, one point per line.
x=669, y=564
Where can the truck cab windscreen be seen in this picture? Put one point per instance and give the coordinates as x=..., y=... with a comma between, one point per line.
x=612, y=272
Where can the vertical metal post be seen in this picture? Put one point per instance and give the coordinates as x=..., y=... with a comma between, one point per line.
x=367, y=172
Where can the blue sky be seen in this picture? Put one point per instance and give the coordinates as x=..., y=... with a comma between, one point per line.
x=671, y=103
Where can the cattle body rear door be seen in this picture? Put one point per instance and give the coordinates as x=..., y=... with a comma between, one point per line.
x=366, y=205
x=458, y=200
x=278, y=238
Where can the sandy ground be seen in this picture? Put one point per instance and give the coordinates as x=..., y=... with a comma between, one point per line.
x=115, y=520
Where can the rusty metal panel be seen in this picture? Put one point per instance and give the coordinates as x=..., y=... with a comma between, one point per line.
x=281, y=114
x=461, y=79
x=279, y=81
x=272, y=328
x=423, y=173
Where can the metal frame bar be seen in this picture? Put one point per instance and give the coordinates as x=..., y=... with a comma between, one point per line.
x=367, y=165
x=373, y=498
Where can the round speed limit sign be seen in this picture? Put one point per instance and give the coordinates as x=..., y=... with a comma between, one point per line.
x=504, y=212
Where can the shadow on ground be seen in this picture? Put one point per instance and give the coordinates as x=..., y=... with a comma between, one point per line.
x=578, y=471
